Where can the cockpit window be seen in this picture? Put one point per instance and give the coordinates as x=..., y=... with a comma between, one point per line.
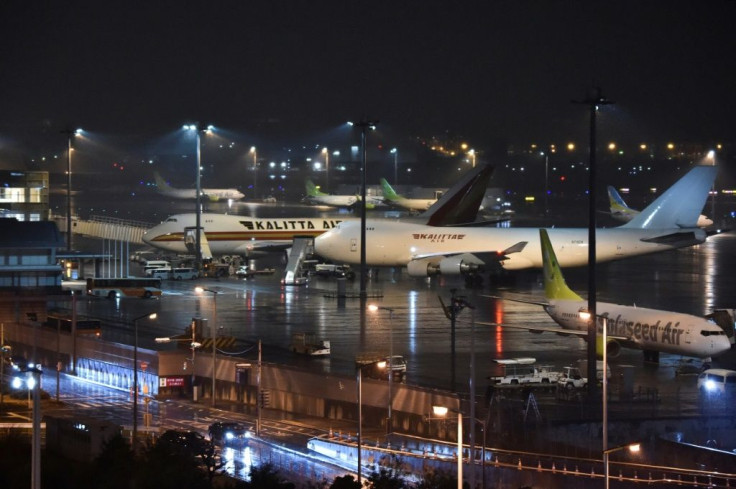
x=171, y=219
x=705, y=332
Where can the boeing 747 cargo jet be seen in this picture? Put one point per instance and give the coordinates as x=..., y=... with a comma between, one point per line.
x=670, y=222
x=240, y=235
x=208, y=193
x=635, y=327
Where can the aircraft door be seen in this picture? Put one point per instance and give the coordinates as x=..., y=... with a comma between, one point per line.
x=353, y=245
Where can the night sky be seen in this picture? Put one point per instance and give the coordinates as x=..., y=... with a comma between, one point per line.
x=489, y=70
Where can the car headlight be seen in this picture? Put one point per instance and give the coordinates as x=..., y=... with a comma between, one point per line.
x=710, y=385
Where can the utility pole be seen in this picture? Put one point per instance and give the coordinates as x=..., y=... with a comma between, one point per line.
x=594, y=100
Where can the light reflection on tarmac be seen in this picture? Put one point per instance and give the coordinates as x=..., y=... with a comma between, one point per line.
x=692, y=280
x=687, y=280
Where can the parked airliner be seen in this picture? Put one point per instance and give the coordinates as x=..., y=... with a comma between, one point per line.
x=635, y=327
x=209, y=193
x=668, y=223
x=240, y=235
x=315, y=196
x=622, y=212
x=392, y=198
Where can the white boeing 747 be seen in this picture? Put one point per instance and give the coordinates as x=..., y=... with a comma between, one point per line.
x=622, y=212
x=213, y=194
x=668, y=223
x=635, y=327
x=240, y=235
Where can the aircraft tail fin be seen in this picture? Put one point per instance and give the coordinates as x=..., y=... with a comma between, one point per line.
x=311, y=188
x=160, y=182
x=619, y=209
x=555, y=286
x=460, y=204
x=388, y=192
x=680, y=206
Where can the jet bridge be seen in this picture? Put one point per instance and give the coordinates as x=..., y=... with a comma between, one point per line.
x=301, y=248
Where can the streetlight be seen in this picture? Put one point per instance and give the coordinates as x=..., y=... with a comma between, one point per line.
x=199, y=290
x=364, y=125
x=194, y=344
x=471, y=153
x=359, y=380
x=633, y=448
x=255, y=168
x=711, y=156
x=327, y=167
x=70, y=133
x=374, y=308
x=151, y=316
x=587, y=316
x=33, y=383
x=198, y=240
x=594, y=100
x=395, y=152
x=441, y=411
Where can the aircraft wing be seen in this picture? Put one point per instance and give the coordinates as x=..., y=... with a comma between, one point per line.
x=263, y=246
x=551, y=329
x=514, y=299
x=474, y=259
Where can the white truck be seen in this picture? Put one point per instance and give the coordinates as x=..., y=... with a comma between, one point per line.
x=518, y=371
x=572, y=379
x=309, y=344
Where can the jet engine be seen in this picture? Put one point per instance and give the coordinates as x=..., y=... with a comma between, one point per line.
x=460, y=264
x=424, y=267
x=613, y=347
x=453, y=265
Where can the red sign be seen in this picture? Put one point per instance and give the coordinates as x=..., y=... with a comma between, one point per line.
x=174, y=381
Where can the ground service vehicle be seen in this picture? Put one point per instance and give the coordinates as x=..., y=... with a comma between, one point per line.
x=524, y=371
x=113, y=288
x=717, y=381
x=184, y=274
x=309, y=344
x=164, y=273
x=571, y=379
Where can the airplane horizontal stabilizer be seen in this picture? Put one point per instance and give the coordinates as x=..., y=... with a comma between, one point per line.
x=679, y=240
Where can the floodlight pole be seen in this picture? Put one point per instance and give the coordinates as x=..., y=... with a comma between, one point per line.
x=70, y=133
x=364, y=125
x=593, y=101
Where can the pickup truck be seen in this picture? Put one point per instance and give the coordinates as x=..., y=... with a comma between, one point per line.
x=518, y=371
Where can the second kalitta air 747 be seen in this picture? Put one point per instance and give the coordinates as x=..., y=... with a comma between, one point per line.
x=651, y=330
x=668, y=223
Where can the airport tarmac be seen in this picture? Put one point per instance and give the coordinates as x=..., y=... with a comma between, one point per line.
x=693, y=280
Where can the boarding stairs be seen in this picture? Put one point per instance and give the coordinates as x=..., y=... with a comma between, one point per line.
x=301, y=248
